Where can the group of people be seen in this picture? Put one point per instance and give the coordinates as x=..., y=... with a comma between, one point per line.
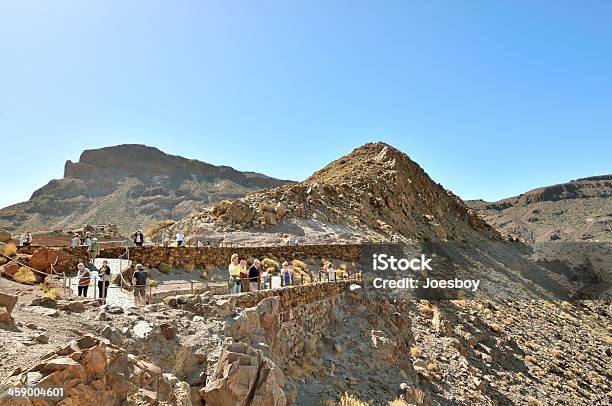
x=243, y=278
x=26, y=239
x=84, y=274
x=140, y=281
x=92, y=244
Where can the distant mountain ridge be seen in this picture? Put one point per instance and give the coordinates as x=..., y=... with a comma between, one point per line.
x=579, y=210
x=129, y=185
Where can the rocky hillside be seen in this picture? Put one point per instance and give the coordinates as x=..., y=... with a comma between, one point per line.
x=375, y=193
x=580, y=210
x=131, y=186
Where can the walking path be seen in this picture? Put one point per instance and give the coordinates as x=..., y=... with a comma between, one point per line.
x=116, y=295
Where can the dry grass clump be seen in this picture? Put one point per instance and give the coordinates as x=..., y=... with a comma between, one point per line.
x=24, y=275
x=398, y=402
x=495, y=327
x=425, y=310
x=350, y=400
x=415, y=352
x=164, y=268
x=157, y=227
x=532, y=401
x=10, y=250
x=52, y=293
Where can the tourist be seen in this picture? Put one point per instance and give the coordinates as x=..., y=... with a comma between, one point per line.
x=286, y=274
x=139, y=238
x=86, y=240
x=94, y=249
x=234, y=274
x=200, y=244
x=265, y=279
x=254, y=274
x=180, y=239
x=140, y=279
x=74, y=241
x=26, y=239
x=331, y=273
x=244, y=276
x=105, y=277
x=84, y=276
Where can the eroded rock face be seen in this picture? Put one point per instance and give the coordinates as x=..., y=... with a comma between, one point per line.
x=245, y=376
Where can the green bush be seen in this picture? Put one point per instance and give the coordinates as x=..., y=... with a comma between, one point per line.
x=270, y=263
x=153, y=282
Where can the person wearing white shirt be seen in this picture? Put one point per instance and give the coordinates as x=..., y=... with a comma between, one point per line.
x=180, y=239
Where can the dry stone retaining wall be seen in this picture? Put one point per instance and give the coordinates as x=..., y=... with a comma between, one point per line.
x=220, y=256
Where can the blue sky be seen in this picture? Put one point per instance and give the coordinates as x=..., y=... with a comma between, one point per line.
x=491, y=98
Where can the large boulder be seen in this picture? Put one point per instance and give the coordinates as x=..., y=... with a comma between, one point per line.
x=5, y=236
x=5, y=316
x=7, y=300
x=244, y=375
x=42, y=258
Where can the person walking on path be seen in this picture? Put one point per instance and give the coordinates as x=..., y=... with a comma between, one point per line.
x=244, y=276
x=140, y=280
x=254, y=275
x=86, y=240
x=94, y=249
x=180, y=239
x=84, y=275
x=104, y=281
x=75, y=240
x=139, y=238
x=234, y=274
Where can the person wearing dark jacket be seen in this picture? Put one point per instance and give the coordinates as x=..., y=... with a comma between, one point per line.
x=254, y=275
x=139, y=238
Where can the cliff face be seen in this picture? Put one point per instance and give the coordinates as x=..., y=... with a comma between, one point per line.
x=580, y=210
x=131, y=186
x=375, y=193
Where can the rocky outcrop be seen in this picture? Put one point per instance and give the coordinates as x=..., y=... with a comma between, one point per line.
x=157, y=186
x=375, y=193
x=94, y=371
x=243, y=375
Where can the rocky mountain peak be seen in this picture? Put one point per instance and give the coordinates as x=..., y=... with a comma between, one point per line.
x=374, y=192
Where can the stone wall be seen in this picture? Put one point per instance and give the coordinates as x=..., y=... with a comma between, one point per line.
x=304, y=316
x=220, y=256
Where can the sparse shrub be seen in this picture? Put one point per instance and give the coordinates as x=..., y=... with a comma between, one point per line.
x=52, y=293
x=188, y=267
x=155, y=228
x=415, y=352
x=530, y=358
x=270, y=263
x=398, y=402
x=10, y=250
x=164, y=268
x=271, y=270
x=431, y=366
x=24, y=275
x=152, y=282
x=299, y=265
